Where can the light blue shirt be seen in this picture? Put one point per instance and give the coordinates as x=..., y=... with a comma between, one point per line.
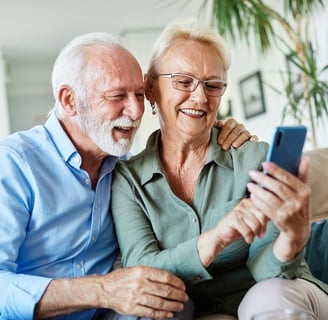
x=52, y=223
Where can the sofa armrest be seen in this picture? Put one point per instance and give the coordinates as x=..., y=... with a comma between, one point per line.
x=318, y=182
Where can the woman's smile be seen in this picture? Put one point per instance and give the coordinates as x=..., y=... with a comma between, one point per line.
x=193, y=112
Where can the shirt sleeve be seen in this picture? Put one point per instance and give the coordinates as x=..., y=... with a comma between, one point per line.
x=22, y=293
x=19, y=292
x=262, y=262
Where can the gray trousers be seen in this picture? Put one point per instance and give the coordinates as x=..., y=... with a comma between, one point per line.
x=267, y=295
x=186, y=314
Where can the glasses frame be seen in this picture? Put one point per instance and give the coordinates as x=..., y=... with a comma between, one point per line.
x=196, y=82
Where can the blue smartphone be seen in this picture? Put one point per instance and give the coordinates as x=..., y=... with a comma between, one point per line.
x=287, y=146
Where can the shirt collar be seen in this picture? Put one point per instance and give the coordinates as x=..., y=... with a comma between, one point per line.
x=152, y=161
x=60, y=139
x=216, y=154
x=67, y=149
x=153, y=165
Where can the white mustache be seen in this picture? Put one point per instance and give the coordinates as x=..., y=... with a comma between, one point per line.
x=125, y=122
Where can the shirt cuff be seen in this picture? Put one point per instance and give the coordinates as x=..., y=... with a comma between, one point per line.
x=23, y=294
x=269, y=266
x=189, y=267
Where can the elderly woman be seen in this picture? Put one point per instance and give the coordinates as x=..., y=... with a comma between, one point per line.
x=183, y=203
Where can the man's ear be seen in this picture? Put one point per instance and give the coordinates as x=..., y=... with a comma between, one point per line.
x=66, y=98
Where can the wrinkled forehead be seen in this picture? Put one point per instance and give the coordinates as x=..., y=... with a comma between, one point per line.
x=113, y=67
x=192, y=56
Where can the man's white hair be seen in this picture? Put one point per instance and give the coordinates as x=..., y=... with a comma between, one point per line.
x=70, y=66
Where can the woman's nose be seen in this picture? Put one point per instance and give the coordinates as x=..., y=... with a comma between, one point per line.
x=199, y=95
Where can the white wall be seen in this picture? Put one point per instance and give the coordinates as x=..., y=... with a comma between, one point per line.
x=29, y=93
x=4, y=117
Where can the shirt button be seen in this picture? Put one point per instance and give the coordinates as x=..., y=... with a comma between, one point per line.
x=194, y=220
x=87, y=181
x=93, y=239
x=79, y=265
x=77, y=160
x=198, y=277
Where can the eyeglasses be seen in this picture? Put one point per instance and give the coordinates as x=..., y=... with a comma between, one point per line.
x=187, y=83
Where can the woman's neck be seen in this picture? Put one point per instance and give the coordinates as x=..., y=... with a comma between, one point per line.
x=183, y=162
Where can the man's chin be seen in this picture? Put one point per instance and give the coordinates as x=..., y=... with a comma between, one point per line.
x=118, y=149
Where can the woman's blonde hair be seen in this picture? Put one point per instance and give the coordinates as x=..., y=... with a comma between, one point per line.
x=176, y=32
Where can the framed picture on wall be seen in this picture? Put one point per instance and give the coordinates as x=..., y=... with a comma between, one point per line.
x=252, y=96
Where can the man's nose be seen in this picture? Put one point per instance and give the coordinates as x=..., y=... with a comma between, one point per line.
x=134, y=108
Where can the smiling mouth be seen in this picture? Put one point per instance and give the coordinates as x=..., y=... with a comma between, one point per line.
x=193, y=112
x=124, y=129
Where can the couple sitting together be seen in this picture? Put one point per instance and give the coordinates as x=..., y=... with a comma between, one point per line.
x=198, y=235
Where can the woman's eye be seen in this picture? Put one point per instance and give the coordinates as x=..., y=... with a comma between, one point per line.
x=212, y=86
x=185, y=82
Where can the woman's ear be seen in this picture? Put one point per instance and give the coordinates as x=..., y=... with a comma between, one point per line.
x=66, y=98
x=149, y=89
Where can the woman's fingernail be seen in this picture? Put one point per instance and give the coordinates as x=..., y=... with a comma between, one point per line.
x=261, y=235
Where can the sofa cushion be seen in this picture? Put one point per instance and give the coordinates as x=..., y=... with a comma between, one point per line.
x=316, y=254
x=318, y=182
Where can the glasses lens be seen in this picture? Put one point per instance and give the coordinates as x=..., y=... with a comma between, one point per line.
x=187, y=83
x=214, y=87
x=183, y=82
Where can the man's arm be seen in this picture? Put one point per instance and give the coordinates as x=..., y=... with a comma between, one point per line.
x=233, y=134
x=140, y=291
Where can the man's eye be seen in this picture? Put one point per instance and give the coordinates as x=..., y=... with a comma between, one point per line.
x=140, y=96
x=116, y=97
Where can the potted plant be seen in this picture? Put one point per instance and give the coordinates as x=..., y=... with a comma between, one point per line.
x=254, y=18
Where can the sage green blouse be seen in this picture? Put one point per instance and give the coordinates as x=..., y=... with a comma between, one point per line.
x=156, y=228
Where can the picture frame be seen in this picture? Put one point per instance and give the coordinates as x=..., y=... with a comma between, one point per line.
x=252, y=95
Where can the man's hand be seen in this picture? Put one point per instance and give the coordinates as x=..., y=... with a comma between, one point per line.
x=144, y=292
x=233, y=134
x=139, y=291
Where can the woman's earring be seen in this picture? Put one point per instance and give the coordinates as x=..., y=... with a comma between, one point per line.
x=153, y=111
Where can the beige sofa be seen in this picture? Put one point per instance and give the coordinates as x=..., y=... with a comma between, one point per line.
x=316, y=250
x=318, y=182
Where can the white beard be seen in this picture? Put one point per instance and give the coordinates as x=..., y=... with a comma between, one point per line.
x=101, y=131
